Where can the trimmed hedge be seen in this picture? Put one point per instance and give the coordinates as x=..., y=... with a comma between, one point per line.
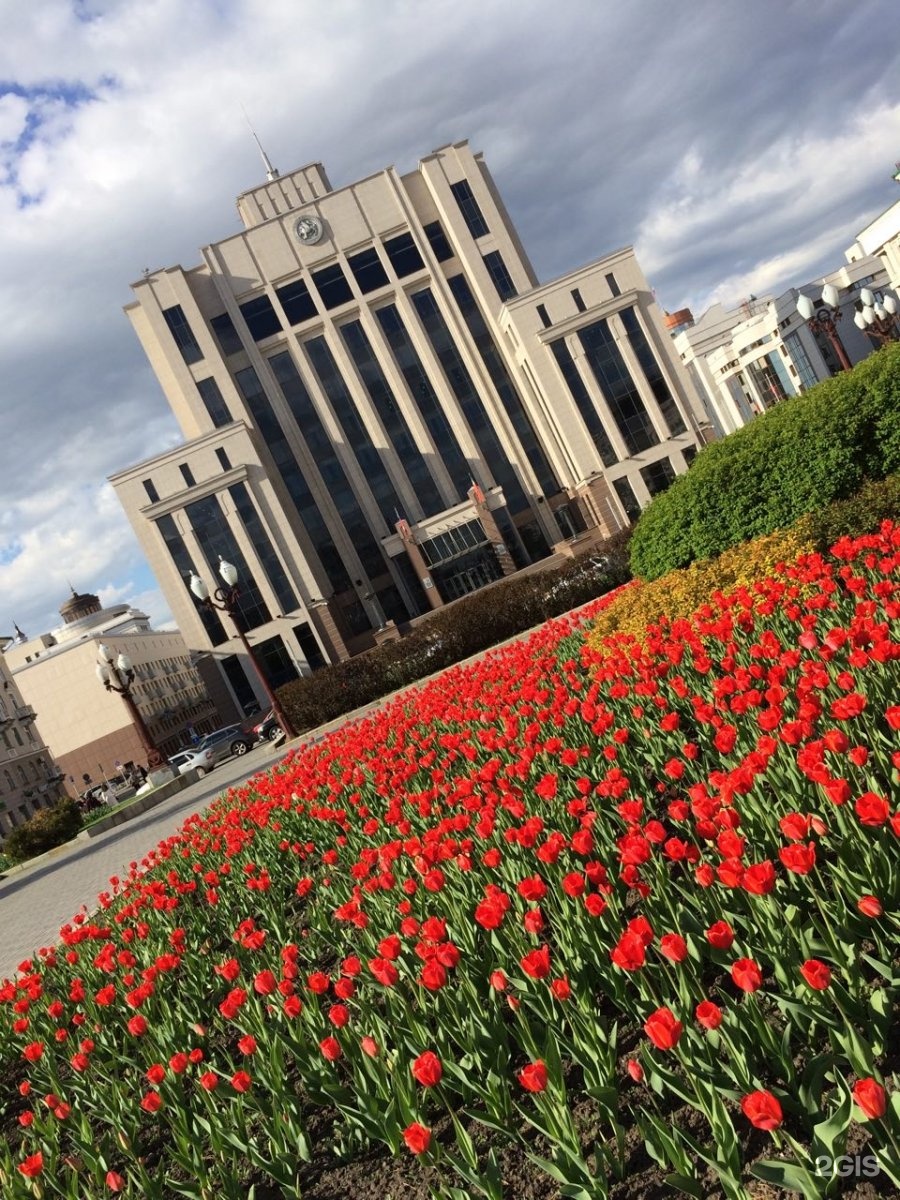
x=794, y=459
x=450, y=635
x=48, y=827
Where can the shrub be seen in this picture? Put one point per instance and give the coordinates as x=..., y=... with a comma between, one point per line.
x=454, y=633
x=48, y=827
x=876, y=501
x=793, y=460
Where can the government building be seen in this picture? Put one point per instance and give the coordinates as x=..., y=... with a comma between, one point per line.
x=385, y=410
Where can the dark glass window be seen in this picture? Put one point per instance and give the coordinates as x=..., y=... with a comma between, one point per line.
x=182, y=333
x=278, y=666
x=261, y=318
x=296, y=301
x=216, y=540
x=404, y=568
x=468, y=206
x=544, y=315
x=689, y=453
x=658, y=476
x=500, y=277
x=226, y=334
x=184, y=565
x=510, y=398
x=307, y=642
x=355, y=617
x=469, y=401
x=653, y=372
x=262, y=544
x=392, y=418
x=356, y=435
x=629, y=500
x=187, y=474
x=584, y=403
x=434, y=231
x=368, y=270
x=294, y=480
x=223, y=459
x=214, y=402
x=404, y=256
x=240, y=684
x=613, y=285
x=332, y=285
x=579, y=301
x=150, y=489
x=624, y=400
x=425, y=397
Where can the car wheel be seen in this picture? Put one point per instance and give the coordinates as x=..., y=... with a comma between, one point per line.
x=239, y=748
x=201, y=771
x=274, y=732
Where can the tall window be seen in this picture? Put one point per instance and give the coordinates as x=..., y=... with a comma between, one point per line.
x=182, y=333
x=469, y=401
x=216, y=540
x=653, y=372
x=800, y=359
x=214, y=402
x=356, y=435
x=424, y=395
x=404, y=255
x=629, y=500
x=180, y=556
x=150, y=489
x=294, y=480
x=583, y=402
x=391, y=417
x=468, y=206
x=658, y=476
x=262, y=544
x=296, y=301
x=510, y=398
x=624, y=400
x=500, y=277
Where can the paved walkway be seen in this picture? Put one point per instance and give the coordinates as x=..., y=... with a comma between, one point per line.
x=37, y=900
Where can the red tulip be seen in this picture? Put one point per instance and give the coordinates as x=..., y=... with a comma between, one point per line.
x=870, y=906
x=746, y=974
x=533, y=1077
x=816, y=974
x=871, y=1098
x=32, y=1166
x=662, y=1028
x=427, y=1069
x=762, y=1110
x=709, y=1015
x=417, y=1138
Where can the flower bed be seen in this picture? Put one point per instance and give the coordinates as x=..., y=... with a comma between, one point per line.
x=568, y=895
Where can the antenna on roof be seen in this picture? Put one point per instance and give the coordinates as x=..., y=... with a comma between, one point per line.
x=271, y=172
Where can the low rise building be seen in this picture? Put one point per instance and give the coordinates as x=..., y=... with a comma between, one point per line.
x=29, y=777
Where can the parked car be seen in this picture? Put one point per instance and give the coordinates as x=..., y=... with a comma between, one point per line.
x=183, y=761
x=268, y=729
x=220, y=744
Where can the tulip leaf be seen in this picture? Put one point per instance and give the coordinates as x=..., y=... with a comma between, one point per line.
x=684, y=1183
x=788, y=1176
x=831, y=1132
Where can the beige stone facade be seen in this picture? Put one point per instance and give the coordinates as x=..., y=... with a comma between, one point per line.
x=384, y=409
x=29, y=778
x=87, y=728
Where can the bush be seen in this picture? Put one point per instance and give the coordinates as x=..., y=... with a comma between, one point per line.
x=452, y=634
x=793, y=460
x=47, y=828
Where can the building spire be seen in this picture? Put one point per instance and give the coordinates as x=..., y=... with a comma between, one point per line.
x=271, y=172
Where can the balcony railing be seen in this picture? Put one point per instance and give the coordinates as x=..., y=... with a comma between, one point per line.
x=24, y=712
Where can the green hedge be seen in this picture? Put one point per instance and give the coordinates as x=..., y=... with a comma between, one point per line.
x=450, y=635
x=48, y=827
x=793, y=460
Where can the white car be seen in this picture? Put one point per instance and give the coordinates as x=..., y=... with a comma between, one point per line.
x=186, y=760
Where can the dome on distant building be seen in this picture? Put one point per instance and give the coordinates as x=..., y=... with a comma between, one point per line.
x=79, y=605
x=681, y=319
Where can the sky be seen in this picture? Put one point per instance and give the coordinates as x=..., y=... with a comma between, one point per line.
x=739, y=146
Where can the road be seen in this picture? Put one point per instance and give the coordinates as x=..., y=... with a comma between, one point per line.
x=36, y=901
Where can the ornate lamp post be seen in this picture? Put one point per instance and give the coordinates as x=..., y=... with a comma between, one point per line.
x=117, y=675
x=823, y=318
x=878, y=318
x=227, y=598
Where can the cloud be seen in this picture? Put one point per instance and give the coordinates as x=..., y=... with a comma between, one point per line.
x=739, y=146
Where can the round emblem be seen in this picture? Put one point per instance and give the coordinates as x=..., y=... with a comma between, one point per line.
x=309, y=230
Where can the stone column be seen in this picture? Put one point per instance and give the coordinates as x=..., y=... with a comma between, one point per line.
x=328, y=631
x=595, y=501
x=478, y=498
x=435, y=599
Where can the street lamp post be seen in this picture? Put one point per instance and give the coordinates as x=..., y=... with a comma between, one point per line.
x=823, y=318
x=877, y=318
x=227, y=598
x=117, y=675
